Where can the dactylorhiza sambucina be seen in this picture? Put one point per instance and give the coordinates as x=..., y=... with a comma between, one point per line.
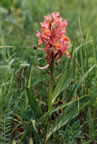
x=56, y=44
x=52, y=35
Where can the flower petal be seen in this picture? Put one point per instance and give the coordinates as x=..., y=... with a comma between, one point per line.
x=68, y=55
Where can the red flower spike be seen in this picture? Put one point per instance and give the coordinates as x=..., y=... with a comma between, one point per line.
x=53, y=36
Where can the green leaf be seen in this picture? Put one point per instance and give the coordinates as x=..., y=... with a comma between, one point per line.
x=33, y=103
x=69, y=113
x=62, y=84
x=81, y=79
x=43, y=118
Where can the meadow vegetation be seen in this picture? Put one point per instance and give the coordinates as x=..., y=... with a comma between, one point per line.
x=24, y=116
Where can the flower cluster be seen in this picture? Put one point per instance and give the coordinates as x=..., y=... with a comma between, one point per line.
x=53, y=36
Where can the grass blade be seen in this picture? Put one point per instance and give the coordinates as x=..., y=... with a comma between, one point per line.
x=33, y=103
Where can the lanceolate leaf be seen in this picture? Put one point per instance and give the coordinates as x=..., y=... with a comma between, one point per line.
x=65, y=81
x=69, y=113
x=33, y=103
x=62, y=84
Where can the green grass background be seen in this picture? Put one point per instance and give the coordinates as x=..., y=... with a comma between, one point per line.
x=19, y=22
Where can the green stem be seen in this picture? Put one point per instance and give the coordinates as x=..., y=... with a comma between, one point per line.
x=51, y=86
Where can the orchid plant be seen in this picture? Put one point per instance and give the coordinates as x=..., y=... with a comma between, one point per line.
x=53, y=41
x=56, y=44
